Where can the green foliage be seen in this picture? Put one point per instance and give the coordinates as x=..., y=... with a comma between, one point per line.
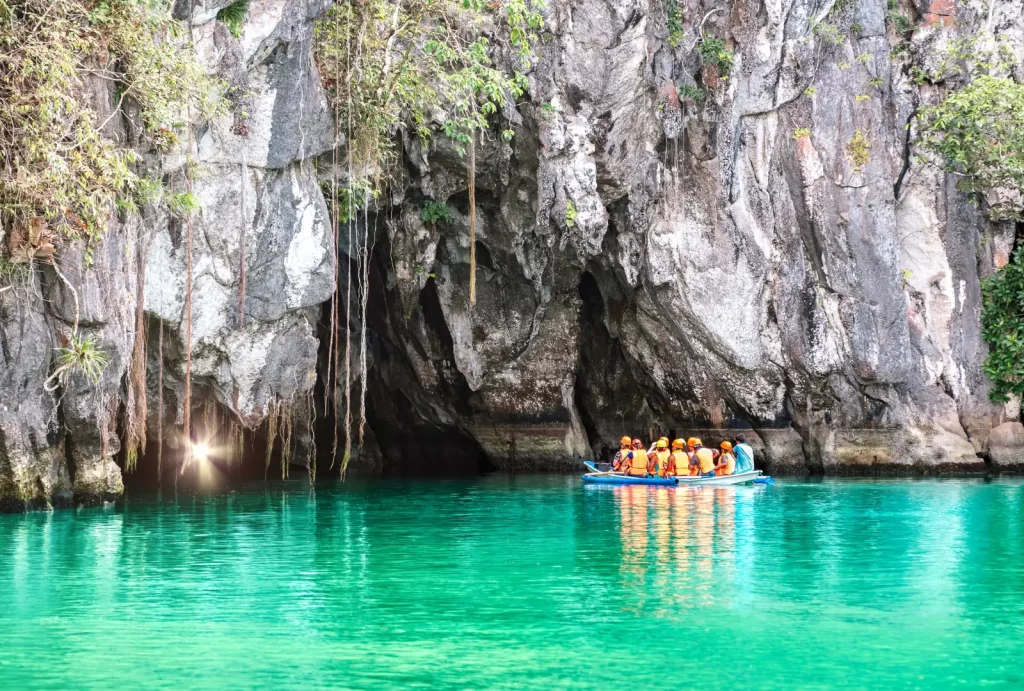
x=875, y=82
x=183, y=204
x=81, y=356
x=905, y=275
x=570, y=214
x=865, y=58
x=844, y=65
x=694, y=93
x=1002, y=327
x=674, y=12
x=978, y=132
x=56, y=161
x=859, y=150
x=435, y=212
x=861, y=97
x=388, y=66
x=810, y=91
x=233, y=16
x=713, y=52
x=900, y=22
x=829, y=32
x=801, y=132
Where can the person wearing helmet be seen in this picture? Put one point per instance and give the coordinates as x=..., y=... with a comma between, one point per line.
x=705, y=459
x=678, y=461
x=726, y=461
x=620, y=456
x=691, y=447
x=637, y=460
x=660, y=458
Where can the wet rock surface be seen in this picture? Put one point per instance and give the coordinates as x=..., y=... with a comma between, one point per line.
x=658, y=251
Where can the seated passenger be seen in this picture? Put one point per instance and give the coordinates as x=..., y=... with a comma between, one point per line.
x=705, y=460
x=678, y=461
x=726, y=462
x=744, y=455
x=637, y=458
x=620, y=456
x=691, y=448
x=660, y=459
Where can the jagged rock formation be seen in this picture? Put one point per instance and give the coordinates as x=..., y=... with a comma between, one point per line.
x=648, y=260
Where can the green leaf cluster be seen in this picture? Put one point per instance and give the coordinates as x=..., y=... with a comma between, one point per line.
x=692, y=92
x=233, y=16
x=859, y=150
x=81, y=356
x=435, y=212
x=1002, y=327
x=571, y=213
x=58, y=159
x=714, y=52
x=421, y=66
x=674, y=15
x=978, y=132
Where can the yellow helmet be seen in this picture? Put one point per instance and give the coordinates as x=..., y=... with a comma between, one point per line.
x=726, y=446
x=678, y=444
x=625, y=441
x=662, y=444
x=664, y=439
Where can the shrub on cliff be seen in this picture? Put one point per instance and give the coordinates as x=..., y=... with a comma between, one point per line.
x=1002, y=324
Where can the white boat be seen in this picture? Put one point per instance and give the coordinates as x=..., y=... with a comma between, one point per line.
x=735, y=479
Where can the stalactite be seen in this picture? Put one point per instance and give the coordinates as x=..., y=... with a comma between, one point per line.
x=187, y=405
x=135, y=423
x=285, y=415
x=160, y=408
x=241, y=246
x=272, y=418
x=471, y=185
x=310, y=427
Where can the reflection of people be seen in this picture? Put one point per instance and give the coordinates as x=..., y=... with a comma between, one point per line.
x=620, y=456
x=744, y=455
x=726, y=461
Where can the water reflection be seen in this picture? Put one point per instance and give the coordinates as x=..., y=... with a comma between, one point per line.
x=678, y=544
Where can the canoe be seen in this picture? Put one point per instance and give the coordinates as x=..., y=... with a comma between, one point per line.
x=598, y=477
x=617, y=479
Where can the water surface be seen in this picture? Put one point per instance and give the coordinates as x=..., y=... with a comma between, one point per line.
x=528, y=582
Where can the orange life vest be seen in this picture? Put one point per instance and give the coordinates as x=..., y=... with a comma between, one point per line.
x=638, y=466
x=661, y=462
x=730, y=464
x=679, y=463
x=706, y=459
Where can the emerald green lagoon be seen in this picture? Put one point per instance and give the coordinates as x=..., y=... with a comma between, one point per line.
x=522, y=582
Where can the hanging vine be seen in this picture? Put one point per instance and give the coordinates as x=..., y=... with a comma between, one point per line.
x=389, y=65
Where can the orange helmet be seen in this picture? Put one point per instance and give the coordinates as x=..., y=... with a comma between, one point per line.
x=726, y=446
x=692, y=441
x=664, y=439
x=625, y=441
x=678, y=444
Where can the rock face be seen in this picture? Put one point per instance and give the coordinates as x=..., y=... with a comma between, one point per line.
x=661, y=248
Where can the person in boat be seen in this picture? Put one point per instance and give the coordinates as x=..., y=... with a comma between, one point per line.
x=678, y=461
x=625, y=445
x=660, y=458
x=726, y=460
x=705, y=459
x=691, y=448
x=744, y=454
x=636, y=460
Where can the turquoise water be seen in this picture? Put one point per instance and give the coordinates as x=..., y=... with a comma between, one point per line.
x=528, y=582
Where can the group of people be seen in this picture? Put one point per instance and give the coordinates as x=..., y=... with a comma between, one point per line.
x=689, y=458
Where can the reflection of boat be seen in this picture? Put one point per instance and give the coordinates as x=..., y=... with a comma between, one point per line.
x=607, y=477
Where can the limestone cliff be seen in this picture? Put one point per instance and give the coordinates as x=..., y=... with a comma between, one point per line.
x=660, y=247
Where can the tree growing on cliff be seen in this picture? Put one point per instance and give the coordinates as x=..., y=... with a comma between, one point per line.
x=1002, y=324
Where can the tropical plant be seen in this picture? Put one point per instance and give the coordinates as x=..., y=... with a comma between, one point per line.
x=56, y=162
x=435, y=212
x=674, y=13
x=713, y=52
x=233, y=16
x=80, y=356
x=1002, y=327
x=978, y=132
x=859, y=150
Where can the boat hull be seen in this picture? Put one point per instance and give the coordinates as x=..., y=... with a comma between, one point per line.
x=688, y=481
